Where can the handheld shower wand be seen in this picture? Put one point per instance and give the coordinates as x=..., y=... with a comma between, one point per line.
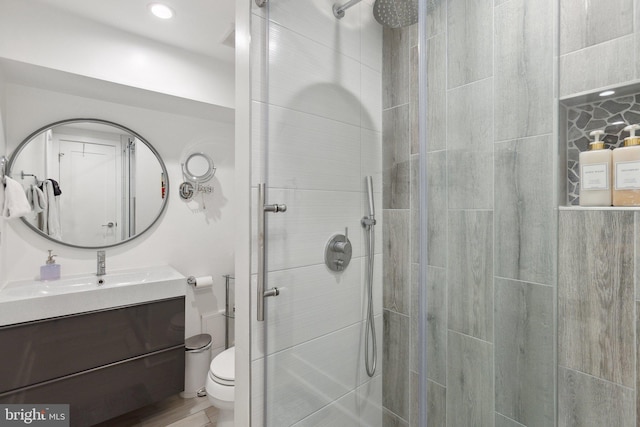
x=369, y=220
x=372, y=209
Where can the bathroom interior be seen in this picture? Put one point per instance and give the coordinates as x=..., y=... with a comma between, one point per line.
x=403, y=196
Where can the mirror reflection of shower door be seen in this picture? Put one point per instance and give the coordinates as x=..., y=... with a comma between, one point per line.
x=317, y=134
x=98, y=164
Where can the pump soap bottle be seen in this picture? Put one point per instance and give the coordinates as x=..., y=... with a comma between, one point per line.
x=626, y=163
x=51, y=270
x=595, y=173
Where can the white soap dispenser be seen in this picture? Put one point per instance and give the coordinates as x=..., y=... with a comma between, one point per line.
x=51, y=270
x=595, y=173
x=626, y=163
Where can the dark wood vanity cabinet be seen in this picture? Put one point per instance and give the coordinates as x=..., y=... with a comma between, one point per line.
x=102, y=363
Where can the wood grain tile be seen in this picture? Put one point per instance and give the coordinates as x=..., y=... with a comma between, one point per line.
x=524, y=208
x=437, y=325
x=577, y=73
x=395, y=362
x=469, y=41
x=414, y=234
x=524, y=353
x=437, y=93
x=437, y=207
x=523, y=68
x=389, y=419
x=584, y=24
x=586, y=401
x=470, y=400
x=502, y=421
x=470, y=273
x=596, y=294
x=437, y=405
x=469, y=179
x=470, y=117
x=395, y=158
x=396, y=261
x=395, y=67
x=196, y=411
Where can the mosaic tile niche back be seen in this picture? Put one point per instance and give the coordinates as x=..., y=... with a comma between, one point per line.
x=610, y=115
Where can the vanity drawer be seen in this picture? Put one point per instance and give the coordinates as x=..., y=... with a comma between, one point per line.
x=43, y=350
x=107, y=392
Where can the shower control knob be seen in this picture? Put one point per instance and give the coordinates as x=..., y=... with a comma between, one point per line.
x=338, y=251
x=342, y=247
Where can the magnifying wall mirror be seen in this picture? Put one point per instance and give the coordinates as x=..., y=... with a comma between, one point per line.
x=198, y=167
x=112, y=185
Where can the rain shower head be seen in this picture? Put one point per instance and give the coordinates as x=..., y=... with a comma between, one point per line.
x=396, y=13
x=390, y=13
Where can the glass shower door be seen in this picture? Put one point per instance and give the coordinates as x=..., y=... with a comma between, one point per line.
x=316, y=136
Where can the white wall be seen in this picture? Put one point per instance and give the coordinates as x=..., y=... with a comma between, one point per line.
x=193, y=241
x=51, y=38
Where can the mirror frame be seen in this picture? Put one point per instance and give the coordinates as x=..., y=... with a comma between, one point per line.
x=163, y=207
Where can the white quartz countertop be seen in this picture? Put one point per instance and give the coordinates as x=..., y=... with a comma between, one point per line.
x=28, y=300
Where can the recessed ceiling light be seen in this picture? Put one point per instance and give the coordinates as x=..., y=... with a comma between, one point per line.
x=618, y=123
x=161, y=11
x=607, y=92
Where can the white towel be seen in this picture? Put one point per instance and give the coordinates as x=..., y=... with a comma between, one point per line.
x=36, y=199
x=15, y=200
x=49, y=218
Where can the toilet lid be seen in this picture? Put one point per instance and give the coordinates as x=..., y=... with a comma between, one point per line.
x=223, y=367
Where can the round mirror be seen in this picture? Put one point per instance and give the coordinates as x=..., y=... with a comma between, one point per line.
x=198, y=168
x=92, y=183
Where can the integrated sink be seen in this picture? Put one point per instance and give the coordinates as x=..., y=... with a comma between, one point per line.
x=29, y=300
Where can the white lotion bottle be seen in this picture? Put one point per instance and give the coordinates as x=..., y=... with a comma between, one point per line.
x=626, y=163
x=595, y=173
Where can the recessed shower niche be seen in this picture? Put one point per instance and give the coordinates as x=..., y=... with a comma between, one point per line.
x=579, y=116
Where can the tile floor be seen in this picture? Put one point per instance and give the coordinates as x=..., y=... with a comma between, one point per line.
x=172, y=412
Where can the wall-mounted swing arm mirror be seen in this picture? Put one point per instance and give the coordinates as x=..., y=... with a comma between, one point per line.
x=197, y=169
x=103, y=184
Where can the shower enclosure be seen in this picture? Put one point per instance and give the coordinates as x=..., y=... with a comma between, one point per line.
x=317, y=134
x=455, y=118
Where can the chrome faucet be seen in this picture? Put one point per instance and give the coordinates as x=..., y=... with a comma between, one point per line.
x=102, y=263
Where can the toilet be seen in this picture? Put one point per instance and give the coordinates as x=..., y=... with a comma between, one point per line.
x=220, y=385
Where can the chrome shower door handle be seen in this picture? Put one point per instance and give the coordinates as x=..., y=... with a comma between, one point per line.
x=263, y=209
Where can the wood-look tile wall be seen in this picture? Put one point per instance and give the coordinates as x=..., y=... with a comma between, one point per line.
x=399, y=209
x=501, y=258
x=494, y=269
x=596, y=318
x=598, y=256
x=491, y=222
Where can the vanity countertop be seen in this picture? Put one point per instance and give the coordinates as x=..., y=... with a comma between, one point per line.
x=28, y=300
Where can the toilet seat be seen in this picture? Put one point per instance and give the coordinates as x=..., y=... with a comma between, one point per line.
x=222, y=368
x=221, y=388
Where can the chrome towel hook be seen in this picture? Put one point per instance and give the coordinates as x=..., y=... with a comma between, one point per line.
x=3, y=167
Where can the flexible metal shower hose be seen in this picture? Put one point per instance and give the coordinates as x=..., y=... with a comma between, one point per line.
x=370, y=362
